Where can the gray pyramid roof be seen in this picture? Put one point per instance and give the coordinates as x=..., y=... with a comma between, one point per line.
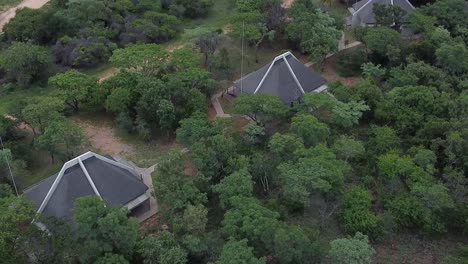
x=286, y=77
x=85, y=175
x=362, y=11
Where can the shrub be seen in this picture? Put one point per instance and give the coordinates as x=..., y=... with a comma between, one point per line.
x=349, y=63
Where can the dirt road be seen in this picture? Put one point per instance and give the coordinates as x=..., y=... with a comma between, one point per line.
x=10, y=13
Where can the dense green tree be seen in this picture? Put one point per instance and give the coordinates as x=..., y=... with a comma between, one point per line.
x=61, y=138
x=253, y=133
x=41, y=26
x=450, y=14
x=381, y=40
x=355, y=250
x=382, y=139
x=150, y=58
x=194, y=8
x=453, y=58
x=211, y=157
x=102, y=230
x=161, y=249
x=261, y=108
x=410, y=107
x=74, y=87
x=285, y=147
x=119, y=100
x=5, y=190
x=346, y=115
x=313, y=30
x=421, y=23
x=348, y=148
x=175, y=189
x=258, y=5
x=388, y=15
x=16, y=215
x=426, y=159
x=293, y=244
x=318, y=171
x=238, y=252
x=392, y=165
x=418, y=73
x=248, y=219
x=237, y=184
x=355, y=215
x=309, y=129
x=25, y=63
x=41, y=111
x=195, y=128
x=110, y=258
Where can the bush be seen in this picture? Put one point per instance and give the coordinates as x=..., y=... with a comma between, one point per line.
x=355, y=215
x=83, y=52
x=349, y=63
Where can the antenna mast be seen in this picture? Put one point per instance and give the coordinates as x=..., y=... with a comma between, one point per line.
x=242, y=58
x=9, y=168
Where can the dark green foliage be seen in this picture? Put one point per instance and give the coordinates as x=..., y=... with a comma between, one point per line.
x=349, y=64
x=82, y=52
x=262, y=108
x=319, y=171
x=294, y=244
x=15, y=215
x=237, y=184
x=450, y=14
x=25, y=63
x=410, y=107
x=355, y=215
x=248, y=219
x=309, y=129
x=388, y=15
x=160, y=91
x=102, y=230
x=355, y=250
x=162, y=249
x=313, y=31
x=175, y=189
x=238, y=252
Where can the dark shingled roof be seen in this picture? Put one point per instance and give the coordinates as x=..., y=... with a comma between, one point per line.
x=117, y=185
x=280, y=80
x=364, y=14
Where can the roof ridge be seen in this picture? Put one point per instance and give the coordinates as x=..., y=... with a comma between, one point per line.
x=294, y=75
x=277, y=58
x=366, y=4
x=392, y=2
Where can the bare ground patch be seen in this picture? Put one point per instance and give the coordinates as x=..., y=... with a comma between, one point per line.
x=103, y=137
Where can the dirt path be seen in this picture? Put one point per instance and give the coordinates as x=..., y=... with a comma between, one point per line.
x=103, y=137
x=10, y=13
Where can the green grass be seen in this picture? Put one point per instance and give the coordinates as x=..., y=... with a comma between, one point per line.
x=147, y=153
x=5, y=4
x=7, y=99
x=218, y=18
x=37, y=174
x=99, y=70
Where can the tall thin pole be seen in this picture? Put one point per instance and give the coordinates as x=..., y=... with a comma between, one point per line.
x=242, y=58
x=9, y=168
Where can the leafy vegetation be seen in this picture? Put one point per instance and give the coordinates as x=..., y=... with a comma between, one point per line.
x=328, y=178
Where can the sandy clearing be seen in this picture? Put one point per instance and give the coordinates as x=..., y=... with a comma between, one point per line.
x=103, y=137
x=10, y=13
